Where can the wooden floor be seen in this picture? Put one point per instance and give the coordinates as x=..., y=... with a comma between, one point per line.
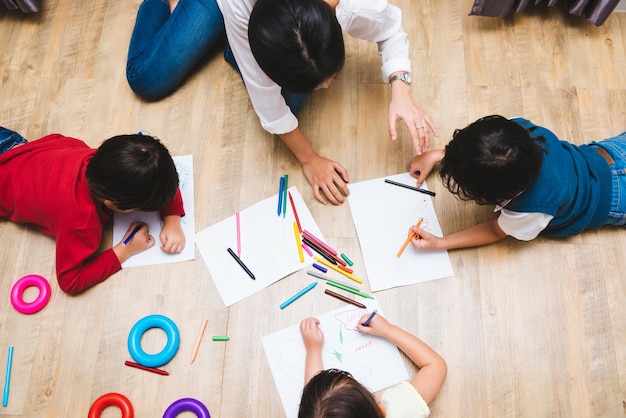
x=533, y=330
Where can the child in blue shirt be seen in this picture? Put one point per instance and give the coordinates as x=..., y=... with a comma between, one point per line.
x=538, y=183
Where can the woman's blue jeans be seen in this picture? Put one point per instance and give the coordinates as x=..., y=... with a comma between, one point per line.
x=9, y=139
x=165, y=47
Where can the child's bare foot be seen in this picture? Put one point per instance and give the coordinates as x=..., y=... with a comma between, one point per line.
x=173, y=4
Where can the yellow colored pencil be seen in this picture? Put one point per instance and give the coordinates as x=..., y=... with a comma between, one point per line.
x=345, y=273
x=296, y=232
x=409, y=238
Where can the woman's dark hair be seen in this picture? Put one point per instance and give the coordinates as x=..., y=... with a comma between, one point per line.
x=134, y=172
x=491, y=160
x=335, y=394
x=297, y=43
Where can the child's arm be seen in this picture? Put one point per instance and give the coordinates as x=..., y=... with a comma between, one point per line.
x=422, y=165
x=481, y=234
x=313, y=339
x=172, y=236
x=432, y=367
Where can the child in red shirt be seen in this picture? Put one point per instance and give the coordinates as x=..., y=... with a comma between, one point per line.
x=68, y=190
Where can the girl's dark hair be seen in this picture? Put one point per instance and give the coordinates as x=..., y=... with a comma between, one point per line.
x=335, y=394
x=297, y=43
x=491, y=160
x=134, y=172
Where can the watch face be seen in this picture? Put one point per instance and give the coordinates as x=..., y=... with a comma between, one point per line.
x=404, y=77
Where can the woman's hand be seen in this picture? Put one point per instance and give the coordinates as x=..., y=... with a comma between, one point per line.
x=328, y=180
x=404, y=107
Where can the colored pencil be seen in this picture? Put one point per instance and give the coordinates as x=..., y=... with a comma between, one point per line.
x=298, y=243
x=369, y=319
x=345, y=257
x=409, y=238
x=285, y=195
x=346, y=269
x=7, y=377
x=297, y=295
x=238, y=221
x=323, y=252
x=417, y=189
x=320, y=268
x=316, y=274
x=319, y=251
x=326, y=278
x=243, y=266
x=307, y=249
x=345, y=299
x=132, y=234
x=319, y=242
x=281, y=189
x=196, y=346
x=148, y=369
x=348, y=289
x=295, y=213
x=345, y=273
x=220, y=338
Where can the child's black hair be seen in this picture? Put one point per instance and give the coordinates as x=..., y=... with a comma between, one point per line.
x=491, y=161
x=335, y=393
x=297, y=43
x=133, y=172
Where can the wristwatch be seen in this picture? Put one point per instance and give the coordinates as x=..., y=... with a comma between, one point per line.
x=404, y=77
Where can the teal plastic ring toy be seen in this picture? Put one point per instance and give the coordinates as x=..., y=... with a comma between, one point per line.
x=143, y=325
x=189, y=405
x=17, y=294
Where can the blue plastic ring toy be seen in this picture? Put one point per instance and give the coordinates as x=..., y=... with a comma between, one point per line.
x=143, y=325
x=187, y=404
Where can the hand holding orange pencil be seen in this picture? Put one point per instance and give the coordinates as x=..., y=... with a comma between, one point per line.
x=409, y=238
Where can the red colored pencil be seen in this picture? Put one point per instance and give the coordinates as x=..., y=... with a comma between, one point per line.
x=295, y=214
x=148, y=369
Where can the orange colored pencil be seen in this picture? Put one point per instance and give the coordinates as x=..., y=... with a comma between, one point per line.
x=409, y=238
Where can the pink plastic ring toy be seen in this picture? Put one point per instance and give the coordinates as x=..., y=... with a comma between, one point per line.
x=17, y=294
x=186, y=404
x=111, y=399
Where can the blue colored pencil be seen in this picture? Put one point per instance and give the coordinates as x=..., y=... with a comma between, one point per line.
x=280, y=194
x=132, y=234
x=285, y=189
x=297, y=295
x=7, y=379
x=368, y=320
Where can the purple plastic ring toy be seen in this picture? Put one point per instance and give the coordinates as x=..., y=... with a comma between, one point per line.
x=187, y=404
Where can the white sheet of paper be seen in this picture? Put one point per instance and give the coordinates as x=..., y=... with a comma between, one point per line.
x=373, y=361
x=383, y=214
x=268, y=242
x=121, y=222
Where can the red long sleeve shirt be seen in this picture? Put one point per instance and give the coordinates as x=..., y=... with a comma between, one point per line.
x=44, y=183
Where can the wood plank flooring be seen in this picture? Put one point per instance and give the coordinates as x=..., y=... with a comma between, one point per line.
x=528, y=329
